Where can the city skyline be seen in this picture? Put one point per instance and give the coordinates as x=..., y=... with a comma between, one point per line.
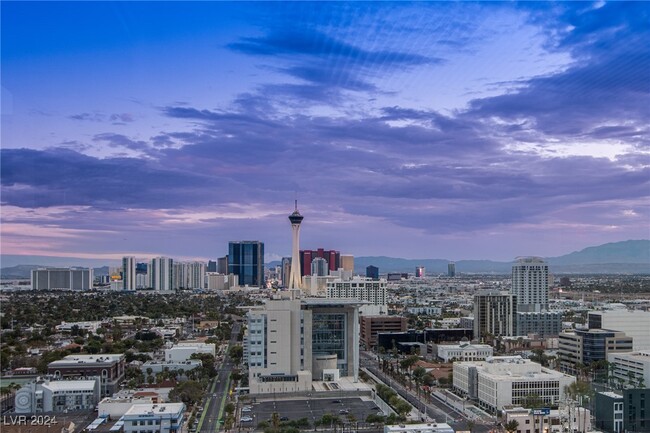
x=416, y=130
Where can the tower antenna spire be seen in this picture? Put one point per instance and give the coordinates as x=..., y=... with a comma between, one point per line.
x=296, y=204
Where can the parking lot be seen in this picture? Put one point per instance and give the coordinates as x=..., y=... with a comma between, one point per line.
x=312, y=409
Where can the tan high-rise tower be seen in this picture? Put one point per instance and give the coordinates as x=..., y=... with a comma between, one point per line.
x=295, y=281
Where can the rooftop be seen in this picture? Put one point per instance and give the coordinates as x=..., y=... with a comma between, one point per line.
x=88, y=359
x=152, y=409
x=71, y=385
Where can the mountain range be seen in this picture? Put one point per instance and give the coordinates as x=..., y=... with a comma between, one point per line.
x=626, y=257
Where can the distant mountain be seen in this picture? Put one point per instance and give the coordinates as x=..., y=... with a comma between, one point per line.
x=627, y=257
x=23, y=272
x=630, y=252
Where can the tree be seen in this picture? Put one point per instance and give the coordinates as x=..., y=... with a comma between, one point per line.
x=533, y=401
x=236, y=353
x=418, y=377
x=511, y=426
x=470, y=426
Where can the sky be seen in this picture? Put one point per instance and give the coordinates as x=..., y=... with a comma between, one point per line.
x=455, y=130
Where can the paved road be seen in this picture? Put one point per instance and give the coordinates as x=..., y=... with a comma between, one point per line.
x=218, y=390
x=433, y=409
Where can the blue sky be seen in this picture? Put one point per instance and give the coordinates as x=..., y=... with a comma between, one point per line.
x=422, y=130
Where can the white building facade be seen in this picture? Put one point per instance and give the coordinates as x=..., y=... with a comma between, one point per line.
x=154, y=418
x=631, y=368
x=508, y=380
x=292, y=341
x=464, y=351
x=182, y=352
x=57, y=396
x=362, y=289
x=635, y=324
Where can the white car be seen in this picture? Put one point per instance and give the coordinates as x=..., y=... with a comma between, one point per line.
x=246, y=409
x=246, y=419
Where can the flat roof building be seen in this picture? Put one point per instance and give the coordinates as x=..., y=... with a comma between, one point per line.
x=109, y=367
x=154, y=418
x=635, y=324
x=373, y=325
x=508, y=380
x=292, y=341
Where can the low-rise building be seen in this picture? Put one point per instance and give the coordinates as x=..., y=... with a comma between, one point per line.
x=110, y=368
x=159, y=366
x=154, y=418
x=373, y=325
x=183, y=351
x=57, y=396
x=574, y=419
x=609, y=412
x=589, y=345
x=508, y=380
x=631, y=368
x=116, y=407
x=431, y=427
x=464, y=351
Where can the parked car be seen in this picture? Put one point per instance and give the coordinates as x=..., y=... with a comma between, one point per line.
x=246, y=419
x=344, y=411
x=246, y=409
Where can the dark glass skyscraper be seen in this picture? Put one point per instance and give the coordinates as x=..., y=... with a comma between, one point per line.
x=246, y=260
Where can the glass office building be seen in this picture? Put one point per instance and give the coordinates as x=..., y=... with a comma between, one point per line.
x=246, y=260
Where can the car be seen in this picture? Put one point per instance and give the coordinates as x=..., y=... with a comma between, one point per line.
x=246, y=419
x=336, y=401
x=246, y=409
x=284, y=418
x=344, y=411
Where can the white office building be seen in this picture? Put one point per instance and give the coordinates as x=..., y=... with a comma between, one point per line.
x=464, y=351
x=508, y=380
x=631, y=368
x=57, y=396
x=154, y=418
x=292, y=341
x=181, y=352
x=635, y=324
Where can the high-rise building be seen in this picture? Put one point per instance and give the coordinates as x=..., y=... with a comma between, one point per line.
x=451, y=269
x=332, y=257
x=319, y=267
x=419, y=272
x=292, y=341
x=295, y=278
x=62, y=279
x=160, y=274
x=530, y=283
x=128, y=273
x=246, y=260
x=285, y=271
x=212, y=266
x=347, y=263
x=494, y=314
x=222, y=265
x=372, y=272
